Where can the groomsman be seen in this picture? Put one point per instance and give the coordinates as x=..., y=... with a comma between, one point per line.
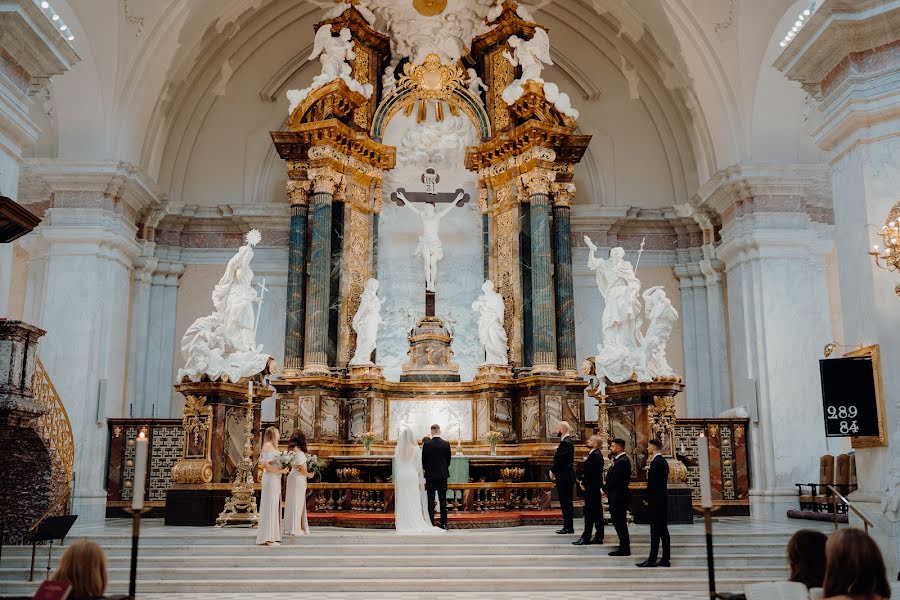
x=563, y=473
x=616, y=489
x=592, y=486
x=658, y=505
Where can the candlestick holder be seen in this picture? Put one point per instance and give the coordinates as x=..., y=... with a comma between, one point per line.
x=240, y=507
x=135, y=537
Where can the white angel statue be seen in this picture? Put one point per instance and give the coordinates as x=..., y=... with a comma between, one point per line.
x=388, y=81
x=475, y=83
x=365, y=324
x=491, y=332
x=335, y=54
x=531, y=55
x=662, y=315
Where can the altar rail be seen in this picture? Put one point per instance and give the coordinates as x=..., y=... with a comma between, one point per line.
x=462, y=497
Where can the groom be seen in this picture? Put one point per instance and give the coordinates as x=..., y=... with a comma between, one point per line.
x=436, y=464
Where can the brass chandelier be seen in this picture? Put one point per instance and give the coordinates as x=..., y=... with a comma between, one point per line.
x=888, y=258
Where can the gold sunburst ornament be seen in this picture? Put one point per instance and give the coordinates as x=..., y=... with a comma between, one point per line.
x=430, y=8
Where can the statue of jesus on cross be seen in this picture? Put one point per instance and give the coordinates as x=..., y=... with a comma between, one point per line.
x=429, y=247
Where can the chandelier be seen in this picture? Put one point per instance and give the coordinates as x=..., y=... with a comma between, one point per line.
x=889, y=257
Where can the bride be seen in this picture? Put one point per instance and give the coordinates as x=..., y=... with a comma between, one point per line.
x=410, y=506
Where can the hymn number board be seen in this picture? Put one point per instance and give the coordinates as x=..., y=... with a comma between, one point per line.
x=852, y=400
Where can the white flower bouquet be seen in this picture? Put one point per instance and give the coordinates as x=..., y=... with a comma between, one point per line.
x=313, y=464
x=284, y=460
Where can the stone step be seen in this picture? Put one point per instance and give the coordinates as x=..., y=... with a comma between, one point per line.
x=613, y=581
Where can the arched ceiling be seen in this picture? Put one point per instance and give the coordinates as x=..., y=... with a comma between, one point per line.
x=153, y=70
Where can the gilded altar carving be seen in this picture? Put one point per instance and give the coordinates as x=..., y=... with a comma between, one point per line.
x=500, y=76
x=563, y=193
x=363, y=66
x=507, y=271
x=298, y=191
x=325, y=180
x=357, y=252
x=192, y=471
x=662, y=421
x=537, y=181
x=483, y=199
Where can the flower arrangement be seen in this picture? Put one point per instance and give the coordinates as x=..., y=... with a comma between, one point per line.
x=493, y=438
x=284, y=460
x=313, y=465
x=367, y=438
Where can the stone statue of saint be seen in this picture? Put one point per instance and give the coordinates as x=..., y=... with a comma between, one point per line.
x=365, y=324
x=491, y=332
x=429, y=247
x=662, y=315
x=621, y=290
x=222, y=346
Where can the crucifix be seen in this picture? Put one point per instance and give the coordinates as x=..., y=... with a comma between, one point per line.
x=430, y=248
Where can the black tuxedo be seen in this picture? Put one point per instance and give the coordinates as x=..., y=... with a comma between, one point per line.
x=658, y=506
x=592, y=482
x=616, y=488
x=436, y=464
x=564, y=471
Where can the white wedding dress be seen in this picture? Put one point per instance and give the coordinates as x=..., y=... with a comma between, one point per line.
x=410, y=505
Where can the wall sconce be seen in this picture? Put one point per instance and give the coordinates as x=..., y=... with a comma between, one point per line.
x=888, y=258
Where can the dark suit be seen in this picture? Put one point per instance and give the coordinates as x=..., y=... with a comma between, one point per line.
x=592, y=482
x=436, y=464
x=564, y=471
x=616, y=488
x=658, y=506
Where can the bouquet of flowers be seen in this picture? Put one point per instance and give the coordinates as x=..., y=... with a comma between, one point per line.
x=493, y=437
x=313, y=465
x=367, y=438
x=284, y=460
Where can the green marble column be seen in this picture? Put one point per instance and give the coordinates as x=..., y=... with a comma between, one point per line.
x=296, y=282
x=562, y=270
x=542, y=326
x=315, y=357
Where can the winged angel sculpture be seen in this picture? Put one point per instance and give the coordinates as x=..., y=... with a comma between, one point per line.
x=532, y=55
x=335, y=54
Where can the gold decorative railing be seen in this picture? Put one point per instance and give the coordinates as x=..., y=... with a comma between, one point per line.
x=56, y=432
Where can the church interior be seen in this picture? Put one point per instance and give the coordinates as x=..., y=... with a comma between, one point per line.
x=670, y=221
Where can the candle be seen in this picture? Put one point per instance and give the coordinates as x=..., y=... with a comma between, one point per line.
x=140, y=471
x=703, y=460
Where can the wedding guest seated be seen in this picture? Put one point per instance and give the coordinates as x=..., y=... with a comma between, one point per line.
x=806, y=557
x=83, y=565
x=854, y=567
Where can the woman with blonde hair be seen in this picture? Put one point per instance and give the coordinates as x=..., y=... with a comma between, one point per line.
x=854, y=567
x=83, y=566
x=270, y=502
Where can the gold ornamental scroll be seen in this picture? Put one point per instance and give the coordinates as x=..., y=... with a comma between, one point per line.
x=195, y=465
x=357, y=253
x=506, y=275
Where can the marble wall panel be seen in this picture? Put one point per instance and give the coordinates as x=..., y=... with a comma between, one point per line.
x=356, y=418
x=482, y=420
x=503, y=417
x=552, y=413
x=531, y=418
x=329, y=418
x=378, y=418
x=306, y=415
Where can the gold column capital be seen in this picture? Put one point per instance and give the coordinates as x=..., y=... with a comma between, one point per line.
x=325, y=180
x=298, y=191
x=537, y=181
x=563, y=193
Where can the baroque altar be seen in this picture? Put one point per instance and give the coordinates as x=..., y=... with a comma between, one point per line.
x=464, y=144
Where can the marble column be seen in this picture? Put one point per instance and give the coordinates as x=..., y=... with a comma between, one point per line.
x=140, y=329
x=706, y=373
x=298, y=191
x=846, y=58
x=318, y=293
x=562, y=265
x=536, y=184
x=778, y=330
x=79, y=291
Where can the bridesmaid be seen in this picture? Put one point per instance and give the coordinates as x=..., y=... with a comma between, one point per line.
x=295, y=522
x=270, y=504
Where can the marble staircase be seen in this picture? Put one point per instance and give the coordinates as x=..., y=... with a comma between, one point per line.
x=526, y=559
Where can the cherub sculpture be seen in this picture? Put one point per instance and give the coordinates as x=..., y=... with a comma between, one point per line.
x=531, y=55
x=475, y=83
x=335, y=54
